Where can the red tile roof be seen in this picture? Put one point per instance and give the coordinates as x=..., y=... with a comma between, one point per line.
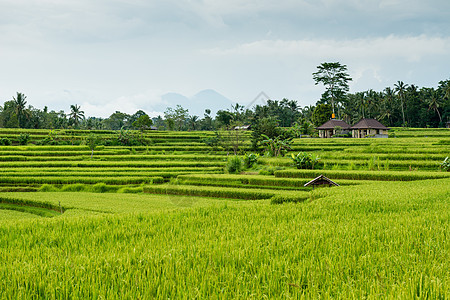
x=333, y=123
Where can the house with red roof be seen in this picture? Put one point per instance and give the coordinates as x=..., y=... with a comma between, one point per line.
x=333, y=127
x=369, y=128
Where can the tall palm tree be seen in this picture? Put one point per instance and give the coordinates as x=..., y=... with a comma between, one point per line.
x=388, y=99
x=193, y=122
x=76, y=114
x=434, y=103
x=361, y=104
x=20, y=107
x=400, y=88
x=445, y=87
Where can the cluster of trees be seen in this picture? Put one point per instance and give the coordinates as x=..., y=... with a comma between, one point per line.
x=16, y=113
x=400, y=105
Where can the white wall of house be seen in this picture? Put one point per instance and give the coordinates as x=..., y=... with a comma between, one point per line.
x=325, y=133
x=362, y=133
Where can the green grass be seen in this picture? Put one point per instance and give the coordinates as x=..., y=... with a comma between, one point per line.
x=362, y=175
x=381, y=234
x=14, y=215
x=116, y=203
x=388, y=240
x=38, y=211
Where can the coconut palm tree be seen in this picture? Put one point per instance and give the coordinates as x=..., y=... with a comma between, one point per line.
x=20, y=107
x=361, y=104
x=444, y=87
x=388, y=99
x=434, y=103
x=400, y=88
x=76, y=114
x=193, y=122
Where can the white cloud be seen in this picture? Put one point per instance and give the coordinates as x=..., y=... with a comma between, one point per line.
x=124, y=54
x=129, y=104
x=411, y=48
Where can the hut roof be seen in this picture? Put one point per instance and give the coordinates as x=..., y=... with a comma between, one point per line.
x=330, y=124
x=369, y=124
x=245, y=127
x=320, y=180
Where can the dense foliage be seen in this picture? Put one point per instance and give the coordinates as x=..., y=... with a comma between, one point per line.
x=405, y=105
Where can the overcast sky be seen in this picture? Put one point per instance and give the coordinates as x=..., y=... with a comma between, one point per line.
x=109, y=55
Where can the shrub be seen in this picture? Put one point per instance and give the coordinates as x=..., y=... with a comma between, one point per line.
x=445, y=165
x=78, y=187
x=131, y=190
x=305, y=160
x=250, y=160
x=100, y=187
x=127, y=138
x=269, y=170
x=24, y=138
x=48, y=141
x=48, y=188
x=5, y=141
x=277, y=146
x=234, y=164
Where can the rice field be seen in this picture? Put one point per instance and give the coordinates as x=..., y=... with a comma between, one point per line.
x=165, y=221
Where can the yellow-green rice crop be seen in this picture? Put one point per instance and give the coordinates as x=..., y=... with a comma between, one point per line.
x=388, y=240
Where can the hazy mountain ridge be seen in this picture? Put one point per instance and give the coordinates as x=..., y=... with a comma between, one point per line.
x=206, y=99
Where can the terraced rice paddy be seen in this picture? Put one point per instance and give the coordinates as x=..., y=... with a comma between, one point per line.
x=164, y=221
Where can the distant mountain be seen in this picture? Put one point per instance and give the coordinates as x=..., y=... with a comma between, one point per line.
x=206, y=99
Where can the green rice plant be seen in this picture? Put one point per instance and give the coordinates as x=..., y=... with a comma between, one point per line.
x=44, y=209
x=39, y=211
x=250, y=180
x=100, y=187
x=205, y=191
x=335, y=167
x=386, y=165
x=394, y=156
x=269, y=170
x=362, y=175
x=110, y=164
x=48, y=188
x=351, y=166
x=13, y=158
x=81, y=180
x=388, y=239
x=128, y=190
x=279, y=199
x=78, y=187
x=371, y=164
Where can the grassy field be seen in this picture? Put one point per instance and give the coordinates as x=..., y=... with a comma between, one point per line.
x=144, y=223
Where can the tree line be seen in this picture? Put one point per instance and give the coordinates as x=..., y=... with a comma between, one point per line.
x=400, y=105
